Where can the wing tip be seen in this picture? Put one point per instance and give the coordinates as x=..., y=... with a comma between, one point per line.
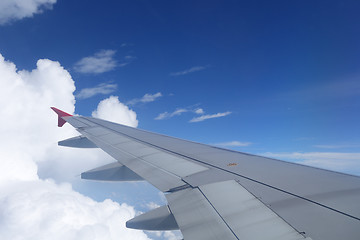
x=61, y=114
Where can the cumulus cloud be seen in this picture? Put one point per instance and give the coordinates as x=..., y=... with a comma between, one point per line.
x=11, y=10
x=25, y=98
x=337, y=161
x=233, y=144
x=102, y=88
x=112, y=109
x=42, y=209
x=187, y=71
x=145, y=99
x=31, y=207
x=209, y=116
x=100, y=62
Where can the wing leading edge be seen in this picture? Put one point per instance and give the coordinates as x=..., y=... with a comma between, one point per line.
x=214, y=193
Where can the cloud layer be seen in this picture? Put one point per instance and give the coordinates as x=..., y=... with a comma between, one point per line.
x=31, y=207
x=11, y=10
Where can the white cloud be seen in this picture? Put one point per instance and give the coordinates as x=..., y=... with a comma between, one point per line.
x=169, y=235
x=150, y=97
x=337, y=161
x=172, y=235
x=39, y=210
x=145, y=99
x=152, y=205
x=100, y=62
x=31, y=207
x=162, y=116
x=179, y=111
x=199, y=111
x=112, y=109
x=25, y=98
x=102, y=88
x=233, y=144
x=166, y=115
x=11, y=10
x=209, y=116
x=187, y=71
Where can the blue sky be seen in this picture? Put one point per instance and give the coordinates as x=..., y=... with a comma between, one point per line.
x=276, y=78
x=286, y=70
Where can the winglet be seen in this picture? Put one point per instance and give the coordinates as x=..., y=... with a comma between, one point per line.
x=61, y=114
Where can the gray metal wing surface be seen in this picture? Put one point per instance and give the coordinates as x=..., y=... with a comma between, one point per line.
x=214, y=193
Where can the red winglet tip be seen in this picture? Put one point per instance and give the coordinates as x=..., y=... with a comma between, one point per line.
x=61, y=114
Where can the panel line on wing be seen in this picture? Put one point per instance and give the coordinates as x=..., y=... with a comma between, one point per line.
x=196, y=218
x=218, y=213
x=133, y=157
x=230, y=199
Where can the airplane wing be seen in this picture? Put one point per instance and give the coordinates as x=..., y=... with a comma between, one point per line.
x=214, y=193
